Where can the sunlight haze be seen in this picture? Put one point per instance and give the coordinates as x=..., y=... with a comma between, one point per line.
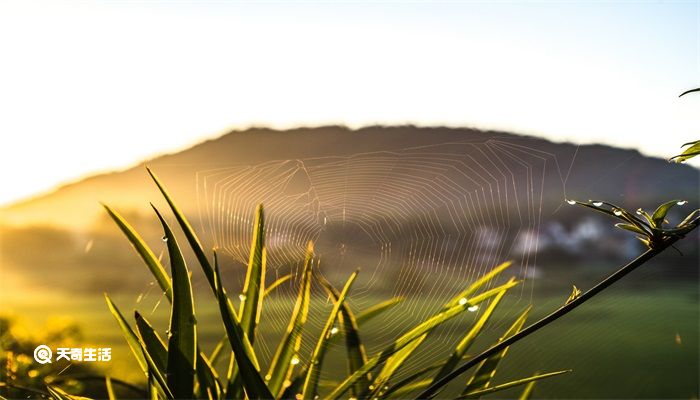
x=93, y=87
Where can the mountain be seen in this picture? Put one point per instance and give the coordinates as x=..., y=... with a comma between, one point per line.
x=401, y=200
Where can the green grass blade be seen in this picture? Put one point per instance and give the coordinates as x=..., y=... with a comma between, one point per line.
x=152, y=342
x=527, y=392
x=398, y=359
x=255, y=278
x=247, y=363
x=373, y=311
x=207, y=378
x=355, y=350
x=251, y=299
x=182, y=342
x=417, y=332
x=109, y=389
x=143, y=250
x=154, y=374
x=131, y=339
x=464, y=344
x=403, y=391
x=413, y=377
x=478, y=284
x=274, y=285
x=487, y=368
x=282, y=367
x=215, y=355
x=191, y=236
x=312, y=377
x=152, y=388
x=478, y=393
x=58, y=394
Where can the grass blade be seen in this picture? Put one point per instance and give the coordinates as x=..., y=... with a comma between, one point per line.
x=131, y=339
x=371, y=312
x=271, y=287
x=398, y=359
x=191, y=236
x=478, y=393
x=281, y=367
x=255, y=277
x=110, y=389
x=154, y=374
x=143, y=250
x=413, y=334
x=182, y=343
x=218, y=350
x=527, y=392
x=487, y=368
x=207, y=378
x=356, y=351
x=311, y=384
x=251, y=299
x=478, y=284
x=155, y=347
x=253, y=383
x=466, y=342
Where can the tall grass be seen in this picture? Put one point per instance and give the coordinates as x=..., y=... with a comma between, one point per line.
x=178, y=368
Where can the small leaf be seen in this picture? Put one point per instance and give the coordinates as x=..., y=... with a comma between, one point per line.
x=631, y=228
x=575, y=293
x=660, y=214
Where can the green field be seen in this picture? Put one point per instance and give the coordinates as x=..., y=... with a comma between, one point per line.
x=630, y=342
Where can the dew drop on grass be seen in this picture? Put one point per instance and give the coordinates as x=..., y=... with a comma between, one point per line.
x=597, y=203
x=473, y=308
x=164, y=238
x=334, y=330
x=639, y=211
x=295, y=360
x=572, y=202
x=617, y=212
x=268, y=377
x=462, y=301
x=682, y=202
x=241, y=296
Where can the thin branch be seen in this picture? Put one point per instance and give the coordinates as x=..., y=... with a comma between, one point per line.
x=432, y=390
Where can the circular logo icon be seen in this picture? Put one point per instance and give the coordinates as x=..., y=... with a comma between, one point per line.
x=42, y=354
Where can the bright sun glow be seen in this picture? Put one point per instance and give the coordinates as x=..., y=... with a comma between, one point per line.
x=93, y=87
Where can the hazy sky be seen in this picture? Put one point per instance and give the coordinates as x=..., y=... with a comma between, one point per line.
x=88, y=87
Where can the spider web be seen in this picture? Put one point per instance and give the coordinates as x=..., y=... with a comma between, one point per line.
x=420, y=222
